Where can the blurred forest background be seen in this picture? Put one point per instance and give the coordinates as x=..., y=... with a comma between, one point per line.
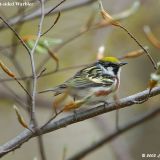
x=83, y=50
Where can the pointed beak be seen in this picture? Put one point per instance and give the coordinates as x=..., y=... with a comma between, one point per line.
x=123, y=63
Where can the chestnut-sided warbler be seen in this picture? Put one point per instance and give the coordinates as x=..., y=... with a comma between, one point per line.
x=93, y=83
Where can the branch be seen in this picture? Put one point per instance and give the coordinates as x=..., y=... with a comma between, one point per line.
x=100, y=109
x=34, y=87
x=33, y=63
x=139, y=120
x=79, y=116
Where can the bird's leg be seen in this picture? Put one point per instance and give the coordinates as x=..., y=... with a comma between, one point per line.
x=74, y=111
x=144, y=100
x=75, y=114
x=58, y=100
x=140, y=101
x=102, y=93
x=55, y=111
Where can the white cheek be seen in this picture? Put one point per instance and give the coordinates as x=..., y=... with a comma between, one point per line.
x=110, y=71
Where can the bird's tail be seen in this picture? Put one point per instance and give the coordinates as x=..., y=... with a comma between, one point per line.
x=57, y=90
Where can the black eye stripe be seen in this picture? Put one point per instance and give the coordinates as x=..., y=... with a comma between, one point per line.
x=109, y=64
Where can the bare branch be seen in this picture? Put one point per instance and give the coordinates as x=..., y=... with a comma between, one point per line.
x=34, y=123
x=55, y=7
x=33, y=63
x=80, y=116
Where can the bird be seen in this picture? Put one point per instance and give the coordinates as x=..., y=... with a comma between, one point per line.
x=92, y=84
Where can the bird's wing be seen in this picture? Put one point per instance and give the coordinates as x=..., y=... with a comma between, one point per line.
x=92, y=76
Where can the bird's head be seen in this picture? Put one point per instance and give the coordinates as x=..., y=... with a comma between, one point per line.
x=111, y=65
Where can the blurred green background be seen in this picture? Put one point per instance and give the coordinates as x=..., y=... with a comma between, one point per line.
x=134, y=78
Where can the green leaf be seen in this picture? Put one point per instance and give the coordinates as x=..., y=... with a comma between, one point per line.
x=43, y=44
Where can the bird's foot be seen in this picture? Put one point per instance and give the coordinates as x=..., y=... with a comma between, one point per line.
x=75, y=114
x=140, y=101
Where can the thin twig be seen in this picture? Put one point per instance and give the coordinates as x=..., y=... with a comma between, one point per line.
x=41, y=73
x=52, y=118
x=15, y=96
x=55, y=22
x=33, y=63
x=17, y=35
x=55, y=7
x=145, y=50
x=34, y=87
x=22, y=87
x=12, y=75
x=21, y=11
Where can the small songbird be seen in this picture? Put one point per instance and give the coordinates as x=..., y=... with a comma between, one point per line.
x=93, y=83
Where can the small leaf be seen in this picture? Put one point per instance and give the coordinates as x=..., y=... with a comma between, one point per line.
x=6, y=70
x=48, y=42
x=20, y=117
x=106, y=16
x=151, y=37
x=39, y=48
x=152, y=84
x=43, y=44
x=155, y=77
x=128, y=12
x=134, y=54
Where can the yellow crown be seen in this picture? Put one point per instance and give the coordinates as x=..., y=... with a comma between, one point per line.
x=110, y=59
